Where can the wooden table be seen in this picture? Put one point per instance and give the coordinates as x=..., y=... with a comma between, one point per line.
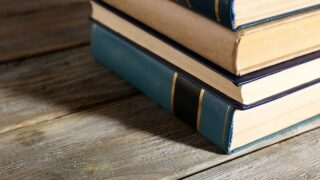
x=64, y=116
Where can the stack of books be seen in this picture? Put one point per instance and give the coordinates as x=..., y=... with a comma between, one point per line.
x=237, y=71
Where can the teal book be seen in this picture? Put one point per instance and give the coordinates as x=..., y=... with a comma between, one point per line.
x=205, y=111
x=235, y=14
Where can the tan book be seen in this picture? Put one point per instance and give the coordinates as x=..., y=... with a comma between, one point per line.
x=238, y=52
x=247, y=89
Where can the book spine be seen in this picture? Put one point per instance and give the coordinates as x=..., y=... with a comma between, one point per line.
x=220, y=11
x=202, y=110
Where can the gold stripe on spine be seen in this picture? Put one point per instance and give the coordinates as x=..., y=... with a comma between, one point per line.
x=189, y=4
x=173, y=89
x=216, y=9
x=200, y=109
x=225, y=124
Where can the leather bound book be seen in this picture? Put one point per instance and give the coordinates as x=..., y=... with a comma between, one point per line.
x=244, y=91
x=213, y=115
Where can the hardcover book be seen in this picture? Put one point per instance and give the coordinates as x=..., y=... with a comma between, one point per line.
x=240, y=52
x=213, y=116
x=238, y=14
x=244, y=91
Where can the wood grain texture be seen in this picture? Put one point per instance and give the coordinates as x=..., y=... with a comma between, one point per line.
x=64, y=116
x=57, y=26
x=131, y=138
x=51, y=86
x=297, y=158
x=11, y=8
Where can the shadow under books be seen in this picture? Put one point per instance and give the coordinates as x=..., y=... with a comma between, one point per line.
x=76, y=82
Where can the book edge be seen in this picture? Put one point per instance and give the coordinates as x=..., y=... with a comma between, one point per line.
x=237, y=80
x=225, y=98
x=302, y=123
x=211, y=110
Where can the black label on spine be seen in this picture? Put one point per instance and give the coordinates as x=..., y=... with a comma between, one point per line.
x=186, y=97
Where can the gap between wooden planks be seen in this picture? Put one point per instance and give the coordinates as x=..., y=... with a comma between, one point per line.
x=32, y=28
x=296, y=158
x=51, y=86
x=130, y=138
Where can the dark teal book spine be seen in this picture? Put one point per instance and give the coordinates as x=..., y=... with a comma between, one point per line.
x=220, y=11
x=202, y=110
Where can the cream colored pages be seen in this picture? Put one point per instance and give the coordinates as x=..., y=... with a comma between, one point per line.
x=261, y=121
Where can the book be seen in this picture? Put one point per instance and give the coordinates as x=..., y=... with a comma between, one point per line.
x=243, y=91
x=240, y=52
x=238, y=14
x=224, y=125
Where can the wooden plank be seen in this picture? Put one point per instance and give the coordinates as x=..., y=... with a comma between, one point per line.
x=42, y=31
x=47, y=87
x=297, y=158
x=9, y=7
x=131, y=138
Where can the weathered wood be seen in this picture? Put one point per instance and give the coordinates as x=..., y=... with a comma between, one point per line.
x=38, y=32
x=131, y=138
x=51, y=86
x=64, y=116
x=297, y=158
x=11, y=8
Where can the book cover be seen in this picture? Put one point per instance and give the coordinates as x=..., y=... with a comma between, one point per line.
x=220, y=94
x=203, y=110
x=237, y=80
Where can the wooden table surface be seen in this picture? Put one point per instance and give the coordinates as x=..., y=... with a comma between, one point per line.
x=65, y=116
